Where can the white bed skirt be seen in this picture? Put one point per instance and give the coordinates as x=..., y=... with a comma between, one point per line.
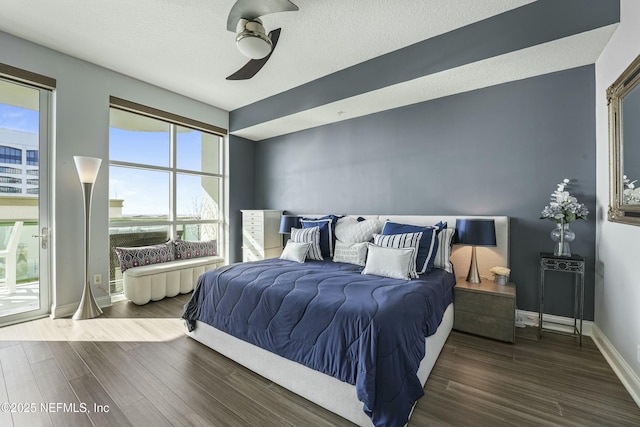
x=330, y=393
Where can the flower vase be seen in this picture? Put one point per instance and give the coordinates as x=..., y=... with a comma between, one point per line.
x=562, y=235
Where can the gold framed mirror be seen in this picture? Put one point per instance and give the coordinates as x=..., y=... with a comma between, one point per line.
x=623, y=98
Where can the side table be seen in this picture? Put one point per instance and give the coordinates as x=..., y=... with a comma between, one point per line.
x=485, y=309
x=574, y=265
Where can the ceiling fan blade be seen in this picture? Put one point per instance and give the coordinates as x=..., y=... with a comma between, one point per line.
x=252, y=67
x=252, y=9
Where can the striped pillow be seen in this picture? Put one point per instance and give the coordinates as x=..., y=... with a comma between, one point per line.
x=325, y=225
x=443, y=254
x=398, y=241
x=428, y=244
x=308, y=235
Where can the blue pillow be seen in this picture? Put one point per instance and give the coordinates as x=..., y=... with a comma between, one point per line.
x=442, y=225
x=327, y=225
x=428, y=243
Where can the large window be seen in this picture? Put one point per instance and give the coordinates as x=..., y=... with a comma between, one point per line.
x=165, y=180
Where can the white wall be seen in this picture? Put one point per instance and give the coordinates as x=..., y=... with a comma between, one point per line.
x=617, y=299
x=81, y=117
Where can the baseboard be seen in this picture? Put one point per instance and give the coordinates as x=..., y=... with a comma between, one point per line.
x=67, y=310
x=553, y=322
x=627, y=376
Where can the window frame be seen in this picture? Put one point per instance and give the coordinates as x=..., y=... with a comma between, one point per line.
x=175, y=121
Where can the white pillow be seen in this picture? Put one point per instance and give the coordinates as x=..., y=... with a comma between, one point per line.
x=309, y=235
x=294, y=251
x=390, y=262
x=349, y=230
x=351, y=253
x=443, y=254
x=405, y=240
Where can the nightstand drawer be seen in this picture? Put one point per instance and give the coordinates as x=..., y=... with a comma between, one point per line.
x=252, y=214
x=253, y=236
x=484, y=325
x=252, y=244
x=251, y=255
x=253, y=226
x=485, y=304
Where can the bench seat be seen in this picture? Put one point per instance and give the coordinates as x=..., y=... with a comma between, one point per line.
x=154, y=282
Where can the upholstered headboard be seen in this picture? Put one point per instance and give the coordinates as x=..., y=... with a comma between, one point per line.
x=487, y=257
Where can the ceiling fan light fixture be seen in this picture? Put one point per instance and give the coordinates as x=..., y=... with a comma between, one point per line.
x=251, y=39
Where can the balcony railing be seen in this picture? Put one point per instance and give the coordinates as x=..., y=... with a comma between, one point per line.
x=19, y=254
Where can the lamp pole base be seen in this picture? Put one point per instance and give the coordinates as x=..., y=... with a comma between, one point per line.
x=474, y=275
x=88, y=308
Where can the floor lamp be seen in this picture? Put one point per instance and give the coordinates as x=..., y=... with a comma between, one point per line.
x=88, y=168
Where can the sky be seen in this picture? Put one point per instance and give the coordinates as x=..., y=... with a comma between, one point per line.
x=144, y=192
x=147, y=192
x=16, y=118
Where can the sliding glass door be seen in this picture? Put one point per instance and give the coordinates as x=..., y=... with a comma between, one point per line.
x=24, y=201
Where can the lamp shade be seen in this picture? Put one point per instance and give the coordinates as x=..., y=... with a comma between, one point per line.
x=287, y=222
x=476, y=232
x=88, y=168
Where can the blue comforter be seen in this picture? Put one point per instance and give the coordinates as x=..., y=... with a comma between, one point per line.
x=366, y=330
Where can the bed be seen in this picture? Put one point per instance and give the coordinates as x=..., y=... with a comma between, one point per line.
x=361, y=346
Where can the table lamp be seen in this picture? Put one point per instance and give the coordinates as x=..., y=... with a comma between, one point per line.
x=287, y=222
x=475, y=232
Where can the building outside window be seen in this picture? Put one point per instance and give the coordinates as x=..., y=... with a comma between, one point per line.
x=10, y=155
x=32, y=157
x=9, y=190
x=14, y=171
x=18, y=148
x=10, y=180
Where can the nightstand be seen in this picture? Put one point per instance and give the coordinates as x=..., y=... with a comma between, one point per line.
x=485, y=309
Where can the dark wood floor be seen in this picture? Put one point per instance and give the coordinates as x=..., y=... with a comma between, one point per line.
x=134, y=366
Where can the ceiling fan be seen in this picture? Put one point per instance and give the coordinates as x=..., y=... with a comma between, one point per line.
x=251, y=37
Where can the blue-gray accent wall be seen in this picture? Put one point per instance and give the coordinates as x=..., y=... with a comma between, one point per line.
x=500, y=150
x=241, y=190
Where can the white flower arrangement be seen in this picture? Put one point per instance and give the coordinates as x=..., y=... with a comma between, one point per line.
x=500, y=271
x=564, y=208
x=631, y=194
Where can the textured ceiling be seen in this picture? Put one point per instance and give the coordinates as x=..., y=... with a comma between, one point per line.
x=541, y=59
x=184, y=46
